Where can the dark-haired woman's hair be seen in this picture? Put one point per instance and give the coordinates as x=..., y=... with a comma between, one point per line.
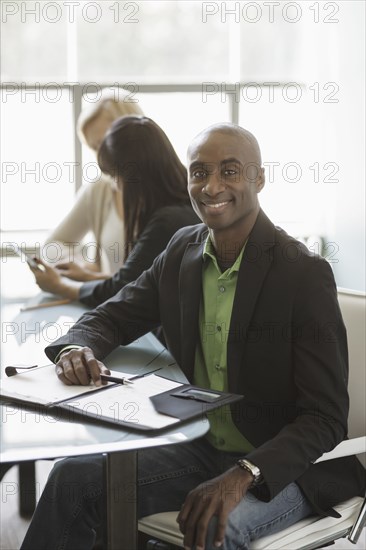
x=137, y=152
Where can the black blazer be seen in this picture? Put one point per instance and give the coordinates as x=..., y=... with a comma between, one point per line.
x=286, y=353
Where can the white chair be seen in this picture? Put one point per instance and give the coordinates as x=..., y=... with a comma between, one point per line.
x=315, y=531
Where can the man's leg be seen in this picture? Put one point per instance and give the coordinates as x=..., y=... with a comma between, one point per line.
x=167, y=474
x=253, y=518
x=165, y=489
x=70, y=507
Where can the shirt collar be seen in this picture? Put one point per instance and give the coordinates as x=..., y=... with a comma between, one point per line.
x=209, y=253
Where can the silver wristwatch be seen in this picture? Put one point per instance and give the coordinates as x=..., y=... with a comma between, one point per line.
x=252, y=469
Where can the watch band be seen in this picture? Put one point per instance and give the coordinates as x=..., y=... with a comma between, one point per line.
x=252, y=469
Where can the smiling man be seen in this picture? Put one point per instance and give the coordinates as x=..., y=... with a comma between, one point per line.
x=225, y=177
x=245, y=308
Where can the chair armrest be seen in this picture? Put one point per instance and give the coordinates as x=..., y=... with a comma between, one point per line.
x=346, y=448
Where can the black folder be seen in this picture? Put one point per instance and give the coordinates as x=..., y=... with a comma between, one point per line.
x=189, y=402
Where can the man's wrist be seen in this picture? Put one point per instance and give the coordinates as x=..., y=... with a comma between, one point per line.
x=251, y=468
x=65, y=350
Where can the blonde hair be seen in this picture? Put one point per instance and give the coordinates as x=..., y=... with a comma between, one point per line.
x=114, y=101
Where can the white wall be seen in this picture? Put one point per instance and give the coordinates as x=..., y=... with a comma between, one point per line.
x=346, y=221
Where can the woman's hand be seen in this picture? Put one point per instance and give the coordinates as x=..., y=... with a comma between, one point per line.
x=79, y=366
x=77, y=272
x=49, y=279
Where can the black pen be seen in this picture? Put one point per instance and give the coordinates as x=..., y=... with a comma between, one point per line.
x=145, y=374
x=126, y=381
x=116, y=379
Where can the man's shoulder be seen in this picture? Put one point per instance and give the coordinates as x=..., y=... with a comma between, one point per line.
x=285, y=250
x=191, y=235
x=295, y=247
x=181, y=241
x=298, y=263
x=194, y=234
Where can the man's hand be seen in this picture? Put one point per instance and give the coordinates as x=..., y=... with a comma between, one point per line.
x=79, y=366
x=215, y=497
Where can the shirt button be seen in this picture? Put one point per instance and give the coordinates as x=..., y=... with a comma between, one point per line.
x=218, y=328
x=221, y=289
x=221, y=442
x=217, y=367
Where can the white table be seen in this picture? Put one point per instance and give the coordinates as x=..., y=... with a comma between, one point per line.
x=30, y=434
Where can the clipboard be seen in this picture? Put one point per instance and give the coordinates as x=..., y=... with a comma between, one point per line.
x=152, y=404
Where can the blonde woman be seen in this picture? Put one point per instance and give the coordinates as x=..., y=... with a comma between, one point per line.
x=88, y=243
x=138, y=155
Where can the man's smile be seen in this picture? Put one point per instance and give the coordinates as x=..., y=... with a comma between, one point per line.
x=215, y=205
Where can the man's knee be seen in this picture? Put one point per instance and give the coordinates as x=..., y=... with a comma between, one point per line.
x=235, y=537
x=75, y=478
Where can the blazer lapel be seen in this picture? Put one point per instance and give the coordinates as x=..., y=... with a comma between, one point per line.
x=190, y=291
x=254, y=267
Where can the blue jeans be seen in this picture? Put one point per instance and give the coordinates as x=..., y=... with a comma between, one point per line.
x=70, y=508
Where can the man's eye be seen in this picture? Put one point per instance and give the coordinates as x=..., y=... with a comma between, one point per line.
x=230, y=172
x=199, y=174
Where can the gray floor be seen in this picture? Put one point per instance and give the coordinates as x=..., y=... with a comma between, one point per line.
x=13, y=527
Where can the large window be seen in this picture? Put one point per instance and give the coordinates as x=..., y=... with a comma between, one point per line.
x=107, y=41
x=291, y=72
x=298, y=153
x=37, y=159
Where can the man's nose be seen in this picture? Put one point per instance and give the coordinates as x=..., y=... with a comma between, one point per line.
x=214, y=184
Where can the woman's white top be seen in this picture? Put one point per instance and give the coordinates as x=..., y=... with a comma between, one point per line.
x=92, y=230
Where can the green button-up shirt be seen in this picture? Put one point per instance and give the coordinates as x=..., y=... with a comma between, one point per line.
x=210, y=369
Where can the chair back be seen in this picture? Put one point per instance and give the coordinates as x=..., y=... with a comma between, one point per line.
x=353, y=308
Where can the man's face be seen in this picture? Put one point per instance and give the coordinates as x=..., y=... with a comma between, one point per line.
x=223, y=182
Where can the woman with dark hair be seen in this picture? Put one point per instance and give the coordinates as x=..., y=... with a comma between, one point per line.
x=97, y=211
x=139, y=156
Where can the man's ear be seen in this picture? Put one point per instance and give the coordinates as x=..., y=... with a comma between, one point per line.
x=261, y=180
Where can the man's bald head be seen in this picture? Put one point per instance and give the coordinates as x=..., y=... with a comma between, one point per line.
x=250, y=143
x=224, y=179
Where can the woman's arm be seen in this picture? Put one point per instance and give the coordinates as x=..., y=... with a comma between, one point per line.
x=49, y=279
x=151, y=243
x=83, y=273
x=67, y=237
x=162, y=226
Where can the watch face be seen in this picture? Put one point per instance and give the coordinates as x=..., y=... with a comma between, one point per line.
x=252, y=469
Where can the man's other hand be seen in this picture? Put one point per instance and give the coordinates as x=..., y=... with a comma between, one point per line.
x=217, y=497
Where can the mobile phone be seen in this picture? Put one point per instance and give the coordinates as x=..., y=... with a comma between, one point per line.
x=26, y=257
